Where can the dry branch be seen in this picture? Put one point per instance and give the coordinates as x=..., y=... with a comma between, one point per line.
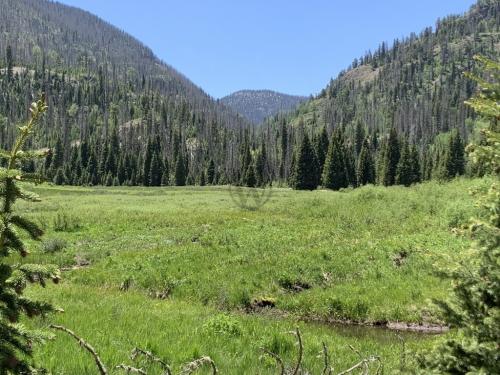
x=364, y=363
x=301, y=350
x=327, y=370
x=197, y=364
x=130, y=369
x=85, y=345
x=277, y=358
x=152, y=358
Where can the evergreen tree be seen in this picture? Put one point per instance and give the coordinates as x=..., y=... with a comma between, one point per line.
x=10, y=63
x=366, y=166
x=474, y=309
x=454, y=163
x=155, y=173
x=211, y=172
x=59, y=178
x=359, y=137
x=415, y=164
x=250, y=179
x=284, y=150
x=335, y=172
x=16, y=343
x=391, y=158
x=305, y=176
x=260, y=166
x=180, y=171
x=404, y=170
x=322, y=144
x=58, y=155
x=148, y=157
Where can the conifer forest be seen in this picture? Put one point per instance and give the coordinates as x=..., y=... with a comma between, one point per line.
x=149, y=228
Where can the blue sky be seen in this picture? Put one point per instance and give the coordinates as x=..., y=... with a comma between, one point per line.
x=291, y=46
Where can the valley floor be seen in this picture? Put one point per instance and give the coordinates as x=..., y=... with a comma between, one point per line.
x=183, y=271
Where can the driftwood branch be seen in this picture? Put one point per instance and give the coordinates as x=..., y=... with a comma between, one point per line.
x=364, y=364
x=197, y=364
x=130, y=369
x=85, y=345
x=301, y=350
x=138, y=351
x=327, y=370
x=277, y=358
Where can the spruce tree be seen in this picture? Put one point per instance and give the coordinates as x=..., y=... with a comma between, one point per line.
x=260, y=166
x=10, y=63
x=474, y=309
x=180, y=171
x=155, y=172
x=404, y=170
x=16, y=341
x=211, y=172
x=59, y=178
x=335, y=172
x=366, y=166
x=305, y=175
x=322, y=144
x=391, y=158
x=250, y=179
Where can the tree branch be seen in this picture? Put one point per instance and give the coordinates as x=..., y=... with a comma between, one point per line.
x=85, y=345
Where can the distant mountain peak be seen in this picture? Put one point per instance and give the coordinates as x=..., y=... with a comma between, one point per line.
x=257, y=105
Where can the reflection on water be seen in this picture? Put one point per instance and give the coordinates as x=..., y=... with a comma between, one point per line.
x=379, y=334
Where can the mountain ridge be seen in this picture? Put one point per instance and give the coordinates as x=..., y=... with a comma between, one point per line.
x=257, y=105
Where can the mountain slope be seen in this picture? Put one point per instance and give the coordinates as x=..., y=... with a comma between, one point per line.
x=416, y=85
x=102, y=83
x=257, y=105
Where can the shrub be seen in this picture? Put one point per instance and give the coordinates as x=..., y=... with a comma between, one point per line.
x=53, y=245
x=66, y=223
x=223, y=324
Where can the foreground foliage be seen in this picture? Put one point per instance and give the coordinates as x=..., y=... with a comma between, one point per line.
x=15, y=340
x=475, y=308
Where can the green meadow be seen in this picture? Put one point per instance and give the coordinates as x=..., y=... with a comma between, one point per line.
x=186, y=272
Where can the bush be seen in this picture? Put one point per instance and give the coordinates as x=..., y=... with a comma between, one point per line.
x=223, y=324
x=53, y=245
x=66, y=223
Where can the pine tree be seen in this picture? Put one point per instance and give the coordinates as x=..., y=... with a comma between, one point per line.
x=10, y=63
x=391, y=158
x=305, y=175
x=16, y=343
x=211, y=172
x=366, y=166
x=335, y=172
x=359, y=137
x=322, y=144
x=260, y=166
x=474, y=309
x=59, y=178
x=454, y=164
x=250, y=179
x=404, y=170
x=180, y=171
x=284, y=150
x=415, y=165
x=148, y=157
x=155, y=173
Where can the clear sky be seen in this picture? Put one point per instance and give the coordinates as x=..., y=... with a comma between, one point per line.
x=291, y=46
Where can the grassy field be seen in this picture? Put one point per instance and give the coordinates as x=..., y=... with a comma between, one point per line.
x=177, y=270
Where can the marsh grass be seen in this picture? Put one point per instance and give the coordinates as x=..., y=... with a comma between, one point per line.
x=317, y=255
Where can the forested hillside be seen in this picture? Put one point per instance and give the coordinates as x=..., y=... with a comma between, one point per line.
x=110, y=99
x=119, y=116
x=416, y=86
x=257, y=105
